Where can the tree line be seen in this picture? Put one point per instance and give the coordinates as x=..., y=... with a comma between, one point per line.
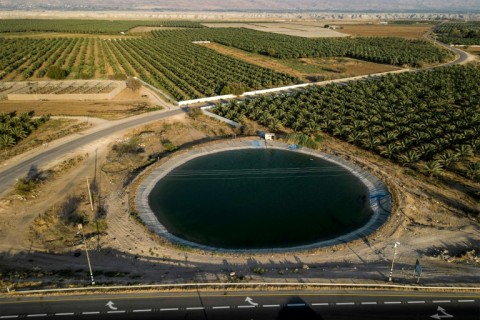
x=86, y=26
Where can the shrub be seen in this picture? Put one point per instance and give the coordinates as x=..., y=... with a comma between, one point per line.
x=55, y=72
x=194, y=113
x=24, y=186
x=133, y=84
x=130, y=146
x=169, y=146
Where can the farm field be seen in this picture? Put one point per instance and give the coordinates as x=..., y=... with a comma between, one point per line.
x=376, y=30
x=168, y=60
x=428, y=120
x=291, y=29
x=460, y=33
x=182, y=69
x=307, y=69
x=388, y=50
x=85, y=26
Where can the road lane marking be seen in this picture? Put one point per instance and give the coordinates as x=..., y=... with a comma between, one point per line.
x=91, y=312
x=9, y=317
x=249, y=306
x=196, y=308
x=320, y=304
x=392, y=302
x=271, y=306
x=416, y=301
x=345, y=303
x=372, y=302
x=116, y=311
x=441, y=301
x=139, y=297
x=169, y=309
x=296, y=305
x=142, y=310
x=36, y=315
x=64, y=314
x=466, y=300
x=221, y=307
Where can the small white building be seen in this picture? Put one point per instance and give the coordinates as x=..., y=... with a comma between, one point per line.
x=269, y=136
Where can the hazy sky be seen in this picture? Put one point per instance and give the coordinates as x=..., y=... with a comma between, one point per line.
x=317, y=5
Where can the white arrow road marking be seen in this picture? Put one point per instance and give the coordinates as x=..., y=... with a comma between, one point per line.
x=250, y=300
x=443, y=316
x=110, y=305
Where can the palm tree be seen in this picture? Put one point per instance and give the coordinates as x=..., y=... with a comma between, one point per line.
x=409, y=157
x=448, y=158
x=389, y=150
x=6, y=141
x=473, y=170
x=464, y=151
x=18, y=133
x=432, y=168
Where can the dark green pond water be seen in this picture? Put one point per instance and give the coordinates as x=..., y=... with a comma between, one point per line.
x=259, y=198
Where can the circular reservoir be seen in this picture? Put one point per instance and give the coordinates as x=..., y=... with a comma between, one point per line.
x=259, y=199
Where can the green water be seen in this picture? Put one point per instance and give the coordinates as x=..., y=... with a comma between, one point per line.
x=259, y=198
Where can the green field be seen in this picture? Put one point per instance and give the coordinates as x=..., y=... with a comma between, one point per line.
x=168, y=60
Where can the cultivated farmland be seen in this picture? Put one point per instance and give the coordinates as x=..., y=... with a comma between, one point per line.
x=171, y=61
x=428, y=120
x=465, y=33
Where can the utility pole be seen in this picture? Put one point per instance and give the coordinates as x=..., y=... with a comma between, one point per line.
x=90, y=195
x=393, y=260
x=80, y=228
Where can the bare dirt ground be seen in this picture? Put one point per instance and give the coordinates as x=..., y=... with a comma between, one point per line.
x=376, y=30
x=429, y=227
x=126, y=103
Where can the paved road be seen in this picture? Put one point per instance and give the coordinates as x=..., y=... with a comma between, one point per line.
x=248, y=305
x=8, y=177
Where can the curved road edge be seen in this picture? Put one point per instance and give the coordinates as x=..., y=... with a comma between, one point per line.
x=9, y=175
